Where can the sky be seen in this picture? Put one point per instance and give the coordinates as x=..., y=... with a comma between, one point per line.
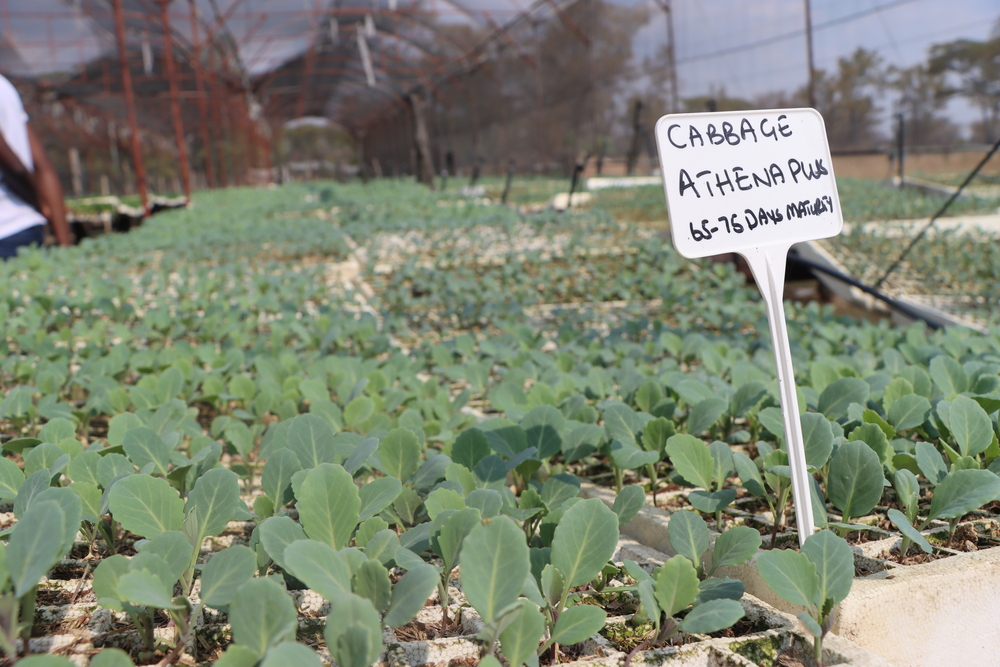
x=746, y=47
x=715, y=39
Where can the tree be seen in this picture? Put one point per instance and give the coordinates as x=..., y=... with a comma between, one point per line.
x=920, y=98
x=973, y=71
x=847, y=100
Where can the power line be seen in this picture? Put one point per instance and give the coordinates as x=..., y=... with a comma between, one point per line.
x=793, y=34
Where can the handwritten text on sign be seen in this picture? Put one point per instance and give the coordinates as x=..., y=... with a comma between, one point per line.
x=738, y=180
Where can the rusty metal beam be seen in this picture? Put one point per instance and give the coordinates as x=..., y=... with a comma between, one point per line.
x=175, y=106
x=140, y=169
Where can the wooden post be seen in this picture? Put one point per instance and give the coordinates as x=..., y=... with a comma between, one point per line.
x=140, y=169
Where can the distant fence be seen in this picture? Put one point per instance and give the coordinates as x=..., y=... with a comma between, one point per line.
x=930, y=160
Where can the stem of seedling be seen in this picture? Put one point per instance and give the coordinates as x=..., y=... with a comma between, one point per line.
x=818, y=651
x=27, y=612
x=443, y=593
x=619, y=477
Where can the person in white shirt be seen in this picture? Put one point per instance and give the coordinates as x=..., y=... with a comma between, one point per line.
x=30, y=193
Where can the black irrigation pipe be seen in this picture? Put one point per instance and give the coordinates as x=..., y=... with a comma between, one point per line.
x=905, y=309
x=930, y=223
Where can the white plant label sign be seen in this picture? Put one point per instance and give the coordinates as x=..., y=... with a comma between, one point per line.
x=754, y=183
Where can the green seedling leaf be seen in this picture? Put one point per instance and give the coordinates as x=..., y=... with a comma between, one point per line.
x=238, y=656
x=216, y=499
x=291, y=653
x=18, y=445
x=276, y=534
x=710, y=503
x=276, y=479
x=712, y=616
x=360, y=455
x=811, y=625
x=628, y=503
x=544, y=426
x=90, y=500
x=440, y=500
x=487, y=501
x=622, y=423
x=319, y=567
x=36, y=482
x=494, y=563
x=904, y=526
x=704, y=414
x=655, y=435
x=791, y=575
x=948, y=375
x=262, y=615
x=329, y=504
x=111, y=657
x=719, y=588
x=855, y=480
x=140, y=586
x=584, y=541
x=629, y=457
x=578, y=624
x=11, y=479
x=839, y=394
x=734, y=546
x=145, y=447
x=688, y=535
x=311, y=439
x=909, y=411
x=447, y=542
x=113, y=466
x=962, y=491
x=691, y=458
x=970, y=426
x=907, y=490
x=382, y=546
x=224, y=573
x=45, y=456
x=520, y=638
x=84, y=468
x=371, y=581
x=106, y=578
x=356, y=639
x=834, y=563
x=45, y=661
x=818, y=437
x=470, y=447
x=378, y=494
x=722, y=454
x=145, y=505
x=399, y=453
x=676, y=585
x=174, y=549
x=746, y=396
x=930, y=462
x=35, y=545
x=410, y=594
x=749, y=475
x=560, y=489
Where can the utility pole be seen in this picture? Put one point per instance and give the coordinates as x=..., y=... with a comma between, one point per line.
x=809, y=56
x=667, y=8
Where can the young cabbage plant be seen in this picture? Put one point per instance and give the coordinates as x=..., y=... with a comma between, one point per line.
x=625, y=447
x=955, y=495
x=42, y=537
x=817, y=578
x=497, y=567
x=689, y=536
x=264, y=621
x=774, y=486
x=855, y=482
x=674, y=588
x=706, y=467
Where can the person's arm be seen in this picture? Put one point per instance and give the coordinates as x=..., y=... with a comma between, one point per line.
x=17, y=177
x=49, y=191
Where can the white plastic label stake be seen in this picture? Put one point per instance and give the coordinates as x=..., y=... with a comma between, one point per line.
x=754, y=183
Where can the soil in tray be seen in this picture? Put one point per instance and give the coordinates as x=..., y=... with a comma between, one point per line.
x=418, y=631
x=966, y=539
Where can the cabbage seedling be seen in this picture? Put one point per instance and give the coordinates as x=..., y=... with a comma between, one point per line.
x=817, y=578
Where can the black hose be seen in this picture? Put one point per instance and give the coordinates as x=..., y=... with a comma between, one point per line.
x=940, y=212
x=905, y=309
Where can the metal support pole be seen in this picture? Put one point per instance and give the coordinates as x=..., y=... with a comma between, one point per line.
x=809, y=56
x=202, y=100
x=175, y=105
x=140, y=169
x=899, y=147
